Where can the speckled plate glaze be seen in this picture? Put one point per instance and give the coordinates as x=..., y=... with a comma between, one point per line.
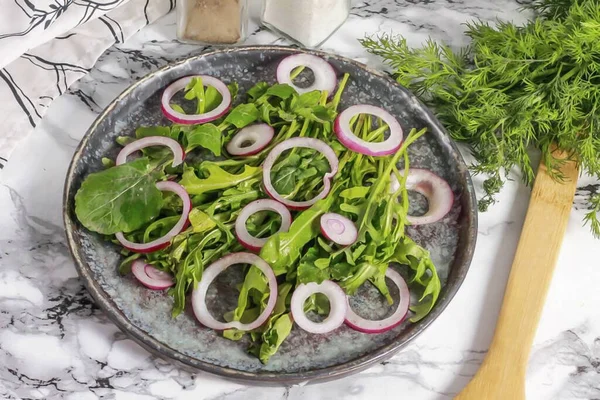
x=145, y=314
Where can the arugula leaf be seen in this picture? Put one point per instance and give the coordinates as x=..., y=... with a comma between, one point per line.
x=195, y=90
x=317, y=113
x=257, y=90
x=285, y=115
x=265, y=111
x=200, y=221
x=277, y=328
x=283, y=249
x=308, y=271
x=234, y=88
x=159, y=152
x=212, y=98
x=243, y=115
x=365, y=271
x=308, y=99
x=281, y=90
x=207, y=136
x=255, y=286
x=159, y=228
x=125, y=265
x=357, y=192
x=341, y=270
x=318, y=303
x=249, y=315
x=118, y=199
x=177, y=108
x=285, y=180
x=378, y=279
x=274, y=336
x=208, y=98
x=417, y=258
x=145, y=131
x=217, y=178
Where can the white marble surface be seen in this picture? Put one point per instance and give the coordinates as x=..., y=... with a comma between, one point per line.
x=55, y=344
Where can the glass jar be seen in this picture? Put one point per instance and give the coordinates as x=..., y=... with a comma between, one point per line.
x=307, y=22
x=212, y=21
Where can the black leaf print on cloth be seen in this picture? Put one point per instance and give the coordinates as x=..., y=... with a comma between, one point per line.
x=31, y=23
x=31, y=79
x=20, y=97
x=60, y=69
x=114, y=28
x=38, y=16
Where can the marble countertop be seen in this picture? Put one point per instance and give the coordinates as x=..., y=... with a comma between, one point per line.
x=56, y=344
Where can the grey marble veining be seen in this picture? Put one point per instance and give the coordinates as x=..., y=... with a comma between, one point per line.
x=55, y=344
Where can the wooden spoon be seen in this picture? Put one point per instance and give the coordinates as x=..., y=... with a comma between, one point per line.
x=502, y=374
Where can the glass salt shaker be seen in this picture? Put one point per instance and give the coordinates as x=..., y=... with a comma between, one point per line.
x=307, y=22
x=218, y=22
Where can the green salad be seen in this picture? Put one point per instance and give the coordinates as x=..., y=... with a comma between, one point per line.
x=173, y=208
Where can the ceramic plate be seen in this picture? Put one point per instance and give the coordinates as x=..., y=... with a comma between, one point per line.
x=145, y=314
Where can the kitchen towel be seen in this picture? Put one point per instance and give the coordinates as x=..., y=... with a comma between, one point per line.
x=46, y=45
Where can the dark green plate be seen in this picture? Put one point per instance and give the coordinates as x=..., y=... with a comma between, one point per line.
x=145, y=314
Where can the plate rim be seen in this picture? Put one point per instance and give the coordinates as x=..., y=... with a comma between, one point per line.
x=337, y=371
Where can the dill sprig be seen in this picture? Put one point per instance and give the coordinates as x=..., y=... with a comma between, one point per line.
x=592, y=216
x=513, y=89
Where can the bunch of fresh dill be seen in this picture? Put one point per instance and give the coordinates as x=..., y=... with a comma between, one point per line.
x=514, y=88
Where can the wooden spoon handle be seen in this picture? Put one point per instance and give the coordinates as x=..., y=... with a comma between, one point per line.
x=502, y=374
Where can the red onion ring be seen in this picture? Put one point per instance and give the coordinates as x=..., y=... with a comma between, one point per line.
x=437, y=191
x=178, y=152
x=339, y=229
x=162, y=242
x=190, y=119
x=310, y=143
x=351, y=141
x=325, y=76
x=253, y=243
x=151, y=277
x=259, y=134
x=337, y=301
x=360, y=324
x=210, y=273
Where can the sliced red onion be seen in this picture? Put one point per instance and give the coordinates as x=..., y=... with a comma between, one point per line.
x=259, y=135
x=253, y=243
x=338, y=229
x=178, y=152
x=210, y=273
x=360, y=324
x=325, y=76
x=151, y=277
x=337, y=306
x=162, y=242
x=309, y=143
x=190, y=119
x=437, y=191
x=345, y=135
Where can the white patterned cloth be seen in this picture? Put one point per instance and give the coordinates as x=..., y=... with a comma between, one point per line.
x=46, y=45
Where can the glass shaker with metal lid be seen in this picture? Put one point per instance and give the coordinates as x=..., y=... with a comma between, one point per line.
x=307, y=22
x=212, y=21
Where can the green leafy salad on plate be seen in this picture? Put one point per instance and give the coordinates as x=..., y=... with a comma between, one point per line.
x=312, y=200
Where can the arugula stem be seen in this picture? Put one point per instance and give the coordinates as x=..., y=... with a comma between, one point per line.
x=376, y=133
x=296, y=71
x=323, y=99
x=338, y=94
x=385, y=176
